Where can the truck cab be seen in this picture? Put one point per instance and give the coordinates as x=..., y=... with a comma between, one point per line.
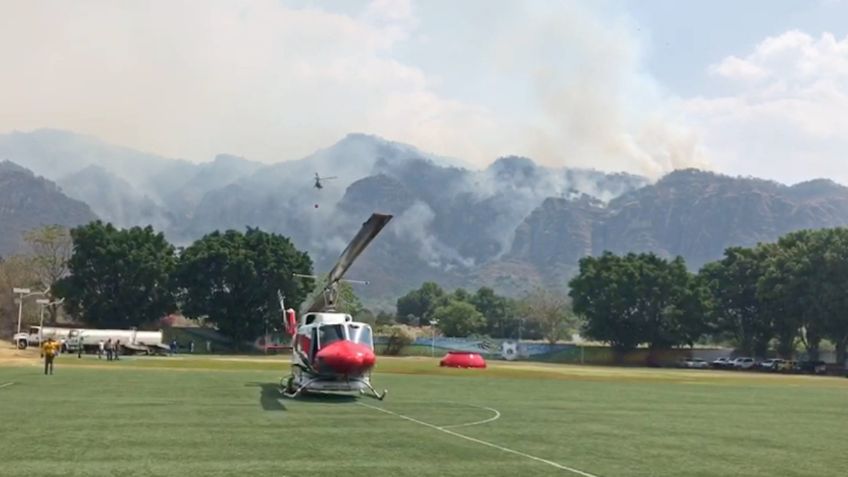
x=35, y=334
x=24, y=339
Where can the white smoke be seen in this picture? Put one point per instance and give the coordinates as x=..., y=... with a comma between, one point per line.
x=272, y=82
x=596, y=107
x=413, y=225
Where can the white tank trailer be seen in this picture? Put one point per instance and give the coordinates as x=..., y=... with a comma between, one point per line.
x=135, y=341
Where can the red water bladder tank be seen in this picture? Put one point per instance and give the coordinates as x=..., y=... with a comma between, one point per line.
x=463, y=359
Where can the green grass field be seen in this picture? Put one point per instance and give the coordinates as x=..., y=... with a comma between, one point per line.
x=223, y=416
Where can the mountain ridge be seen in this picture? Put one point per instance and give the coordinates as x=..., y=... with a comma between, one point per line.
x=28, y=201
x=512, y=225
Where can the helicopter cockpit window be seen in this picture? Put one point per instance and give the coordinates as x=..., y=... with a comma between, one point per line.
x=331, y=334
x=360, y=334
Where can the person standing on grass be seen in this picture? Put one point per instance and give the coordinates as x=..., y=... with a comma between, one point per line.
x=50, y=349
x=100, y=347
x=109, y=349
x=117, y=349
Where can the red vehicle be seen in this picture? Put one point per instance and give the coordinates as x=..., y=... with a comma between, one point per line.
x=462, y=359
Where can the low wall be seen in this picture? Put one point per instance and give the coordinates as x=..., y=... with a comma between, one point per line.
x=494, y=349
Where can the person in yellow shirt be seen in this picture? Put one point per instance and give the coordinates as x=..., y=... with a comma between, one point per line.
x=50, y=349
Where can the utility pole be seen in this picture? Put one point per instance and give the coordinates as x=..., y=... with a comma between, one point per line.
x=21, y=292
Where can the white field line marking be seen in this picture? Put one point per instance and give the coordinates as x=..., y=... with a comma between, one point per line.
x=484, y=421
x=6, y=385
x=478, y=441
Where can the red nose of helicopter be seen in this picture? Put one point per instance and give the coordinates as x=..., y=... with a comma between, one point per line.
x=346, y=357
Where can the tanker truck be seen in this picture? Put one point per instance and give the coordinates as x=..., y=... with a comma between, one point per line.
x=37, y=333
x=133, y=341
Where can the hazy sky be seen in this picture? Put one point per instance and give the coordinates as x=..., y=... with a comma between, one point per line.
x=752, y=88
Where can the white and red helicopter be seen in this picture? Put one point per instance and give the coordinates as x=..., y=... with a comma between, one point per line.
x=330, y=351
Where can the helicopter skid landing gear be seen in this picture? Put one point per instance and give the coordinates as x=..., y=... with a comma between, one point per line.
x=374, y=392
x=289, y=390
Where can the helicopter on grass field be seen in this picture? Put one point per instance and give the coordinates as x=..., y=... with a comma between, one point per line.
x=330, y=351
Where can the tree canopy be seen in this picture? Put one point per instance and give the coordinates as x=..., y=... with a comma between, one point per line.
x=417, y=305
x=805, y=285
x=232, y=278
x=118, y=277
x=459, y=318
x=736, y=307
x=634, y=299
x=784, y=292
x=499, y=312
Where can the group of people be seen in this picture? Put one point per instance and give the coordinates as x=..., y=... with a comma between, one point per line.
x=112, y=350
x=175, y=347
x=51, y=348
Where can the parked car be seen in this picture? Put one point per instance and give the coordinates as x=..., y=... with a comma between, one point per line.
x=770, y=364
x=788, y=366
x=697, y=363
x=721, y=363
x=813, y=367
x=743, y=363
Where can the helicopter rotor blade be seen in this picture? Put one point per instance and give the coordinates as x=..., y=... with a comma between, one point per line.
x=366, y=234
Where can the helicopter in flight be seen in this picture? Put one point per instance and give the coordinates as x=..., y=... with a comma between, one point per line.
x=330, y=351
x=318, y=180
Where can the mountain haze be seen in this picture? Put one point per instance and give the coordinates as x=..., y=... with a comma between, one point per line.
x=28, y=202
x=513, y=225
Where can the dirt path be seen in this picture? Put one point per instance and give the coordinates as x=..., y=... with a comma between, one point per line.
x=9, y=355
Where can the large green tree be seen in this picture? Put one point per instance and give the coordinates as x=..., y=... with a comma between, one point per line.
x=602, y=293
x=636, y=299
x=459, y=318
x=790, y=288
x=118, y=277
x=806, y=282
x=233, y=277
x=664, y=298
x=419, y=304
x=834, y=285
x=736, y=307
x=499, y=312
